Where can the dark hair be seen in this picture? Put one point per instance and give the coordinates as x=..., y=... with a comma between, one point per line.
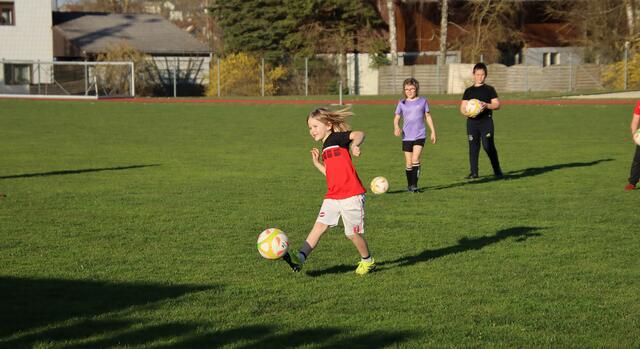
x=479, y=66
x=412, y=82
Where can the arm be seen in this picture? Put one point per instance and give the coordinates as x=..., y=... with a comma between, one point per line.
x=432, y=128
x=463, y=107
x=494, y=105
x=315, y=157
x=356, y=137
x=635, y=123
x=397, y=131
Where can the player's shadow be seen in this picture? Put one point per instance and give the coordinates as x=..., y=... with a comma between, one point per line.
x=463, y=245
x=30, y=303
x=517, y=174
x=84, y=170
x=86, y=314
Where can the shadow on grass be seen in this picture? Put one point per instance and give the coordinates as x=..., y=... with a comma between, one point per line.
x=85, y=170
x=28, y=304
x=464, y=244
x=517, y=174
x=91, y=314
x=323, y=337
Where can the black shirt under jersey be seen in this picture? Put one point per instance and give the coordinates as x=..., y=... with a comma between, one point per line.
x=483, y=93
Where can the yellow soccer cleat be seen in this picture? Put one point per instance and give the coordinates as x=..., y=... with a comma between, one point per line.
x=366, y=267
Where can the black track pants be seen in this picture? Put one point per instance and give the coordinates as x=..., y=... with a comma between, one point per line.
x=481, y=131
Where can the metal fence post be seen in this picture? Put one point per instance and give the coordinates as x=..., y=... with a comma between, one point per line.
x=175, y=78
x=626, y=60
x=133, y=79
x=438, y=77
x=86, y=78
x=39, y=81
x=219, y=87
x=526, y=75
x=570, y=73
x=262, y=77
x=306, y=76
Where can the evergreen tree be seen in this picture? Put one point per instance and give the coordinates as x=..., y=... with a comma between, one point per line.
x=280, y=29
x=254, y=26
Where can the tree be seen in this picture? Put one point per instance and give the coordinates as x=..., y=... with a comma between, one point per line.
x=282, y=29
x=491, y=22
x=604, y=24
x=393, y=41
x=336, y=26
x=255, y=26
x=444, y=21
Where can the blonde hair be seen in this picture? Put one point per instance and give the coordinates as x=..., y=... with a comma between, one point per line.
x=337, y=119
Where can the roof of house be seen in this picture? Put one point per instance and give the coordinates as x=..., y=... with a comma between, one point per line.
x=550, y=34
x=95, y=33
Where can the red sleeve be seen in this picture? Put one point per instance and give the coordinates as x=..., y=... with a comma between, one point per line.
x=637, y=109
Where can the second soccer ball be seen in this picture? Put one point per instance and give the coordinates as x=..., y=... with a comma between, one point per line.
x=379, y=185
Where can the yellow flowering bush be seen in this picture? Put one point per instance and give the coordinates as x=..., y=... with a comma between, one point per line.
x=240, y=75
x=613, y=74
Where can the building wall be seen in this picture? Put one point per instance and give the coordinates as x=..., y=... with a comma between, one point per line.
x=29, y=39
x=534, y=56
x=363, y=80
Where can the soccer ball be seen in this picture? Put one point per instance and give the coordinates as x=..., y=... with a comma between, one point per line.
x=473, y=107
x=636, y=137
x=379, y=185
x=273, y=243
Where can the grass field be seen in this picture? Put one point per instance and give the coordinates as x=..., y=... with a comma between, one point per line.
x=132, y=225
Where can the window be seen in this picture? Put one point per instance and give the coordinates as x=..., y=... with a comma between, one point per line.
x=17, y=74
x=550, y=58
x=7, y=13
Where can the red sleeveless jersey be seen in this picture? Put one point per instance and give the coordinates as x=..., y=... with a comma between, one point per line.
x=342, y=180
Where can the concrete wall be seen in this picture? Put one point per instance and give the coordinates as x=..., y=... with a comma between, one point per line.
x=29, y=39
x=363, y=80
x=567, y=55
x=432, y=78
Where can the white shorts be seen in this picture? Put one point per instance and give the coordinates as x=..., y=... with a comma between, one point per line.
x=350, y=209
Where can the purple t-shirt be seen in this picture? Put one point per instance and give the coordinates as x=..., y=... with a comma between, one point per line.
x=412, y=113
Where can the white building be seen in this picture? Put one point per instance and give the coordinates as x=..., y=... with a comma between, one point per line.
x=25, y=34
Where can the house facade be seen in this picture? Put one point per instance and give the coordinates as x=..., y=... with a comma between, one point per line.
x=25, y=33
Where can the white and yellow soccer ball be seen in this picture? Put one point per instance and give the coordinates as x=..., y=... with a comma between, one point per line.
x=474, y=107
x=636, y=137
x=379, y=185
x=273, y=243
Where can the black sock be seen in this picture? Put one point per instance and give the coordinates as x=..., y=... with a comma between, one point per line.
x=416, y=173
x=409, y=172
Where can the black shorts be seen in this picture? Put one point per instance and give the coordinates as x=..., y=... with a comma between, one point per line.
x=408, y=145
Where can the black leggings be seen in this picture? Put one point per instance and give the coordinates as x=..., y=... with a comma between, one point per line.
x=634, y=177
x=481, y=130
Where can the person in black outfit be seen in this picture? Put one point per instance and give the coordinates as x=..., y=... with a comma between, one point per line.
x=480, y=126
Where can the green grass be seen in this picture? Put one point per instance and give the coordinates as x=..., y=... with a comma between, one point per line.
x=133, y=225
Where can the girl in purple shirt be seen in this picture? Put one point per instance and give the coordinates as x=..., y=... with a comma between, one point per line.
x=414, y=112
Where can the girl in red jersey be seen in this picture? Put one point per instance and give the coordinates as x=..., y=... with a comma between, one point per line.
x=345, y=193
